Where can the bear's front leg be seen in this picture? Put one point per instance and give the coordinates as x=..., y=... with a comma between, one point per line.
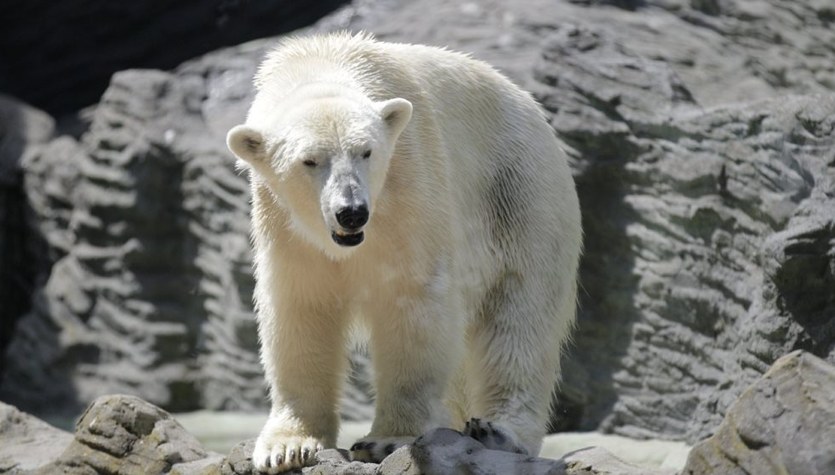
x=302, y=352
x=415, y=345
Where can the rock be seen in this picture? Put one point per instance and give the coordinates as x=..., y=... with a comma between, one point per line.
x=153, y=242
x=21, y=126
x=338, y=462
x=784, y=423
x=26, y=442
x=701, y=135
x=681, y=312
x=126, y=435
x=686, y=297
x=446, y=451
x=239, y=461
x=598, y=461
x=85, y=45
x=328, y=462
x=664, y=454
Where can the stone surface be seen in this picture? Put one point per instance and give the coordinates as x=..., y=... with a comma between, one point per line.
x=693, y=220
x=328, y=462
x=60, y=56
x=663, y=454
x=598, y=461
x=26, y=442
x=445, y=451
x=126, y=435
x=140, y=227
x=701, y=135
x=220, y=431
x=239, y=460
x=785, y=423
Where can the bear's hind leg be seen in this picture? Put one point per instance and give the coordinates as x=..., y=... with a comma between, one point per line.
x=515, y=348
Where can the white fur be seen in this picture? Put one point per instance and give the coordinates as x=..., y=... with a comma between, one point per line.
x=467, y=275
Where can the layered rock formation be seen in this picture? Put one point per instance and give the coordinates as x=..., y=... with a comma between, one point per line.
x=709, y=236
x=142, y=228
x=702, y=135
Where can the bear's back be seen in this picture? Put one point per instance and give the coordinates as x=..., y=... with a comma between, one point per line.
x=475, y=134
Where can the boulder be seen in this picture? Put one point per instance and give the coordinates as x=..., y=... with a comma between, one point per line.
x=126, y=435
x=26, y=442
x=784, y=423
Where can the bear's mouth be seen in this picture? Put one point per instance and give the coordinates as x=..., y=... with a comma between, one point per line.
x=347, y=239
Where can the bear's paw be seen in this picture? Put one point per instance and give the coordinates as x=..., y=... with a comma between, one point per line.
x=277, y=453
x=375, y=449
x=493, y=436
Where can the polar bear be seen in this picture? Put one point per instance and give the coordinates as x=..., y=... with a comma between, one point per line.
x=419, y=192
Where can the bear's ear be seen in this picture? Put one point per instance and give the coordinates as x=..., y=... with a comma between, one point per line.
x=396, y=114
x=246, y=143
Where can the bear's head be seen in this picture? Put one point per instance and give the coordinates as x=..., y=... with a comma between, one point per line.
x=325, y=158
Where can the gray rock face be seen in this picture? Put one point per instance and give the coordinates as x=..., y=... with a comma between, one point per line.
x=142, y=228
x=695, y=214
x=701, y=135
x=785, y=423
x=694, y=222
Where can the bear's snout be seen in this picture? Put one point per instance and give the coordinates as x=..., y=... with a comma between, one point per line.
x=352, y=217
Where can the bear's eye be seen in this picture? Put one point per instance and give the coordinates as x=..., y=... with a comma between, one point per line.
x=366, y=154
x=309, y=163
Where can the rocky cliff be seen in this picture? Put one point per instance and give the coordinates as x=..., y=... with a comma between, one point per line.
x=701, y=134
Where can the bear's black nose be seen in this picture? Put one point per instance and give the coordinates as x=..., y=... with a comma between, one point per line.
x=352, y=217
